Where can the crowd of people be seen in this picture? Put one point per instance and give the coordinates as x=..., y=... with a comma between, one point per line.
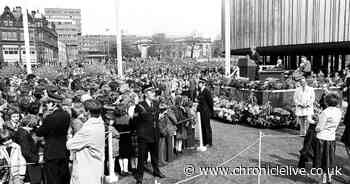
x=55, y=131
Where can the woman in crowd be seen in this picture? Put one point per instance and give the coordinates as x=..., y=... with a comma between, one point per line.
x=11, y=154
x=329, y=120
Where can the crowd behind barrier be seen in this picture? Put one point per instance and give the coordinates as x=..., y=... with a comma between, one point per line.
x=27, y=101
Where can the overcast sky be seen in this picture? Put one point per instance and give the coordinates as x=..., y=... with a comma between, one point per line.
x=142, y=17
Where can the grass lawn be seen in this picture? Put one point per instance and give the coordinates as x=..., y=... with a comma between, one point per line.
x=229, y=140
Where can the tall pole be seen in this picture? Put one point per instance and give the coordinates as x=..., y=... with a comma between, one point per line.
x=227, y=37
x=26, y=38
x=119, y=41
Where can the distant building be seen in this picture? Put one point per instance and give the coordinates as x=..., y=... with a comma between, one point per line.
x=97, y=48
x=68, y=27
x=177, y=47
x=62, y=54
x=42, y=36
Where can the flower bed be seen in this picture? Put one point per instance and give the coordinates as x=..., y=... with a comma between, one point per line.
x=251, y=114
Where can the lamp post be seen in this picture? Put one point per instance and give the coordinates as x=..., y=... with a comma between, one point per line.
x=227, y=37
x=26, y=37
x=119, y=40
x=107, y=32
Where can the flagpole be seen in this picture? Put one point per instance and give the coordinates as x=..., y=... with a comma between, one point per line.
x=26, y=37
x=119, y=41
x=227, y=37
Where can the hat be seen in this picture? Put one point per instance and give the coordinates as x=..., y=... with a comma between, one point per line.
x=85, y=97
x=203, y=80
x=52, y=97
x=52, y=89
x=148, y=87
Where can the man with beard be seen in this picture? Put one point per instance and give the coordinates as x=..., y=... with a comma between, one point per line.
x=54, y=129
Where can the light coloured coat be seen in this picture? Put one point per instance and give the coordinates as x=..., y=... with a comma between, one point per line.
x=88, y=148
x=305, y=98
x=15, y=159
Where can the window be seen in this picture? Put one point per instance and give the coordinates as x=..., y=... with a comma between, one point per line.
x=9, y=35
x=6, y=23
x=21, y=36
x=10, y=23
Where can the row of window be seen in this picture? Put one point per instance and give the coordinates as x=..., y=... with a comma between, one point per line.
x=14, y=51
x=7, y=23
x=63, y=17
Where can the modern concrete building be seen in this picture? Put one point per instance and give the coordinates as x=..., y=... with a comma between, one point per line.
x=318, y=29
x=42, y=35
x=68, y=27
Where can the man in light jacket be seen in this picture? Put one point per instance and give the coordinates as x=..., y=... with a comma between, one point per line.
x=304, y=98
x=88, y=147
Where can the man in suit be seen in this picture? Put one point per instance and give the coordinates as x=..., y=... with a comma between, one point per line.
x=206, y=109
x=54, y=129
x=147, y=131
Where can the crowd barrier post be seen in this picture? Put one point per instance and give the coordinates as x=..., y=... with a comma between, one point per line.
x=201, y=146
x=259, y=174
x=112, y=178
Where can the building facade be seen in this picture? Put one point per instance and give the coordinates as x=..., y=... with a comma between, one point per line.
x=97, y=48
x=68, y=27
x=176, y=47
x=42, y=36
x=288, y=29
x=62, y=54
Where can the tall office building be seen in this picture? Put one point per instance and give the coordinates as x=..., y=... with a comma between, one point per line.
x=68, y=27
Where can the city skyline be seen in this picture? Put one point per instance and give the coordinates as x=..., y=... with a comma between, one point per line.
x=176, y=18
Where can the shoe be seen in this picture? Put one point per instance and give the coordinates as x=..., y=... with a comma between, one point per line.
x=162, y=164
x=159, y=174
x=138, y=182
x=123, y=174
x=148, y=169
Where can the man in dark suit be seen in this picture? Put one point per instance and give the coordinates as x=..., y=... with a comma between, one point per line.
x=147, y=131
x=54, y=129
x=206, y=109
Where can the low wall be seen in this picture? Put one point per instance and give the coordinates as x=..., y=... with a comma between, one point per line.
x=278, y=98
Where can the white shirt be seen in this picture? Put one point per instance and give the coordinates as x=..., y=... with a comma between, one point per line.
x=329, y=120
x=304, y=97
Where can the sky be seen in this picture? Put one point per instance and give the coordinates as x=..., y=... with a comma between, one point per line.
x=141, y=17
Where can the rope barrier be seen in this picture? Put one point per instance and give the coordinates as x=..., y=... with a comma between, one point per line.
x=19, y=165
x=280, y=136
x=232, y=158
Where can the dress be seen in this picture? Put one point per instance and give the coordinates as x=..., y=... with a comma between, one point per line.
x=125, y=146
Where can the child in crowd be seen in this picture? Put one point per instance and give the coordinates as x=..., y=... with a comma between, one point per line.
x=329, y=120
